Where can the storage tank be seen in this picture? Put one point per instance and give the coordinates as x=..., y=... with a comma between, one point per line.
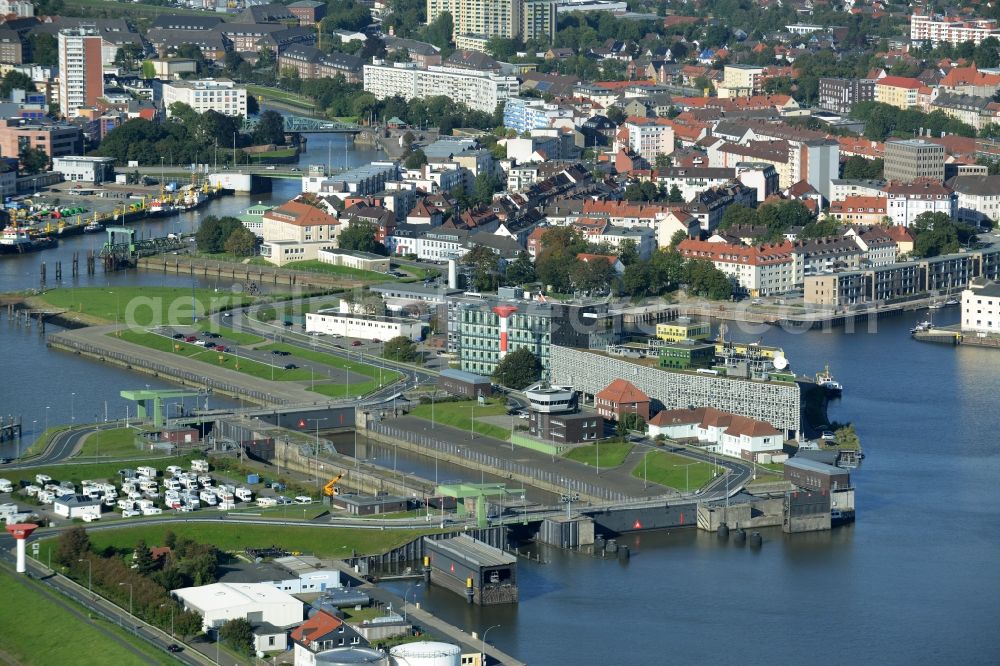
x=253, y=479
x=425, y=653
x=349, y=656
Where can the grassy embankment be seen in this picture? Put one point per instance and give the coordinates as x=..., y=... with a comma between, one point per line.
x=282, y=96
x=78, y=637
x=230, y=535
x=115, y=443
x=674, y=471
x=366, y=381
x=139, y=306
x=317, y=266
x=459, y=415
x=612, y=454
x=227, y=360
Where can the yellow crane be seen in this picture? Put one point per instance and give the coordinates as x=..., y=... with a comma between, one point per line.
x=329, y=490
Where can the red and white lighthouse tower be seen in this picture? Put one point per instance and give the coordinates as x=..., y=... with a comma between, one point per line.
x=21, y=531
x=504, y=312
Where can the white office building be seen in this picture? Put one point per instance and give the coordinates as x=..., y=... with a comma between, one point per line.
x=221, y=95
x=981, y=308
x=82, y=169
x=478, y=90
x=362, y=326
x=256, y=602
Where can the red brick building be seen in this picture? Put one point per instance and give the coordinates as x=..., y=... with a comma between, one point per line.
x=621, y=397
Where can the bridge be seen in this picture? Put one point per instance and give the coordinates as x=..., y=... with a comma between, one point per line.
x=301, y=124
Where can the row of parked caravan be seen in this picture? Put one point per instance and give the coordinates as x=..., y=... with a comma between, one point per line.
x=182, y=490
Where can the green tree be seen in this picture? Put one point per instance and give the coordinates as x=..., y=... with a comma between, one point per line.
x=820, y=229
x=439, y=31
x=270, y=129
x=238, y=633
x=593, y=276
x=987, y=54
x=241, y=242
x=518, y=369
x=520, y=271
x=679, y=237
x=400, y=348
x=148, y=70
x=704, y=279
x=214, y=231
x=628, y=422
x=72, y=545
x=485, y=267
x=12, y=80
x=129, y=56
x=415, y=160
x=738, y=215
x=859, y=168
x=187, y=623
x=143, y=559
x=44, y=49
x=675, y=195
x=934, y=234
x=361, y=235
x=628, y=252
x=33, y=160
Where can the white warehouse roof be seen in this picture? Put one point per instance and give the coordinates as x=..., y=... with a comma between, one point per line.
x=222, y=596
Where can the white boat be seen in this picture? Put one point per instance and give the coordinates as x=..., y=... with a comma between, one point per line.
x=93, y=227
x=952, y=302
x=14, y=236
x=825, y=380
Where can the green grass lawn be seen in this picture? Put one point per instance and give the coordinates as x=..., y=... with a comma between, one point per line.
x=360, y=615
x=388, y=376
x=230, y=334
x=287, y=511
x=116, y=443
x=230, y=535
x=612, y=453
x=140, y=306
x=459, y=415
x=94, y=471
x=280, y=96
x=224, y=359
x=666, y=469
x=317, y=266
x=343, y=390
x=82, y=641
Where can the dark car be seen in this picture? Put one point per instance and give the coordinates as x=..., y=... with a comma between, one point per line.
x=213, y=335
x=288, y=322
x=278, y=352
x=4, y=461
x=174, y=647
x=356, y=343
x=177, y=336
x=290, y=366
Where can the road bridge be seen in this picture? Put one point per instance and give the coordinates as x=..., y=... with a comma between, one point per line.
x=302, y=124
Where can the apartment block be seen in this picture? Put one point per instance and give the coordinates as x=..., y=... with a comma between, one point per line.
x=481, y=91
x=741, y=80
x=840, y=95
x=527, y=19
x=953, y=30
x=899, y=91
x=81, y=80
x=908, y=160
x=220, y=95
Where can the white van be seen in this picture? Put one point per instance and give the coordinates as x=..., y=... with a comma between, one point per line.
x=266, y=501
x=42, y=479
x=152, y=511
x=302, y=499
x=89, y=517
x=6, y=486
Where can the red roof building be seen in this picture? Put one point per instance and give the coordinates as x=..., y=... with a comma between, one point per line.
x=619, y=398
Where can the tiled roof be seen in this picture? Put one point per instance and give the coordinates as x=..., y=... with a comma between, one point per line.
x=315, y=628
x=620, y=391
x=756, y=255
x=300, y=214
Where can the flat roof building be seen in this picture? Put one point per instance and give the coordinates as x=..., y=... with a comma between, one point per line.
x=476, y=570
x=257, y=602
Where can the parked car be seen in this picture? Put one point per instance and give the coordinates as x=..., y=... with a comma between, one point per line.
x=356, y=343
x=190, y=338
x=278, y=352
x=213, y=335
x=221, y=348
x=174, y=647
x=177, y=336
x=302, y=499
x=290, y=366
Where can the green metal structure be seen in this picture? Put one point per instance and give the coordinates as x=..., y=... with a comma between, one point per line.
x=143, y=397
x=297, y=124
x=480, y=491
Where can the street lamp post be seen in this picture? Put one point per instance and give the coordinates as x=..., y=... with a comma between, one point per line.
x=132, y=617
x=90, y=575
x=316, y=448
x=172, y=607
x=72, y=407
x=484, y=640
x=408, y=588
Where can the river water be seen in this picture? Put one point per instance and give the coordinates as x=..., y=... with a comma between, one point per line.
x=915, y=580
